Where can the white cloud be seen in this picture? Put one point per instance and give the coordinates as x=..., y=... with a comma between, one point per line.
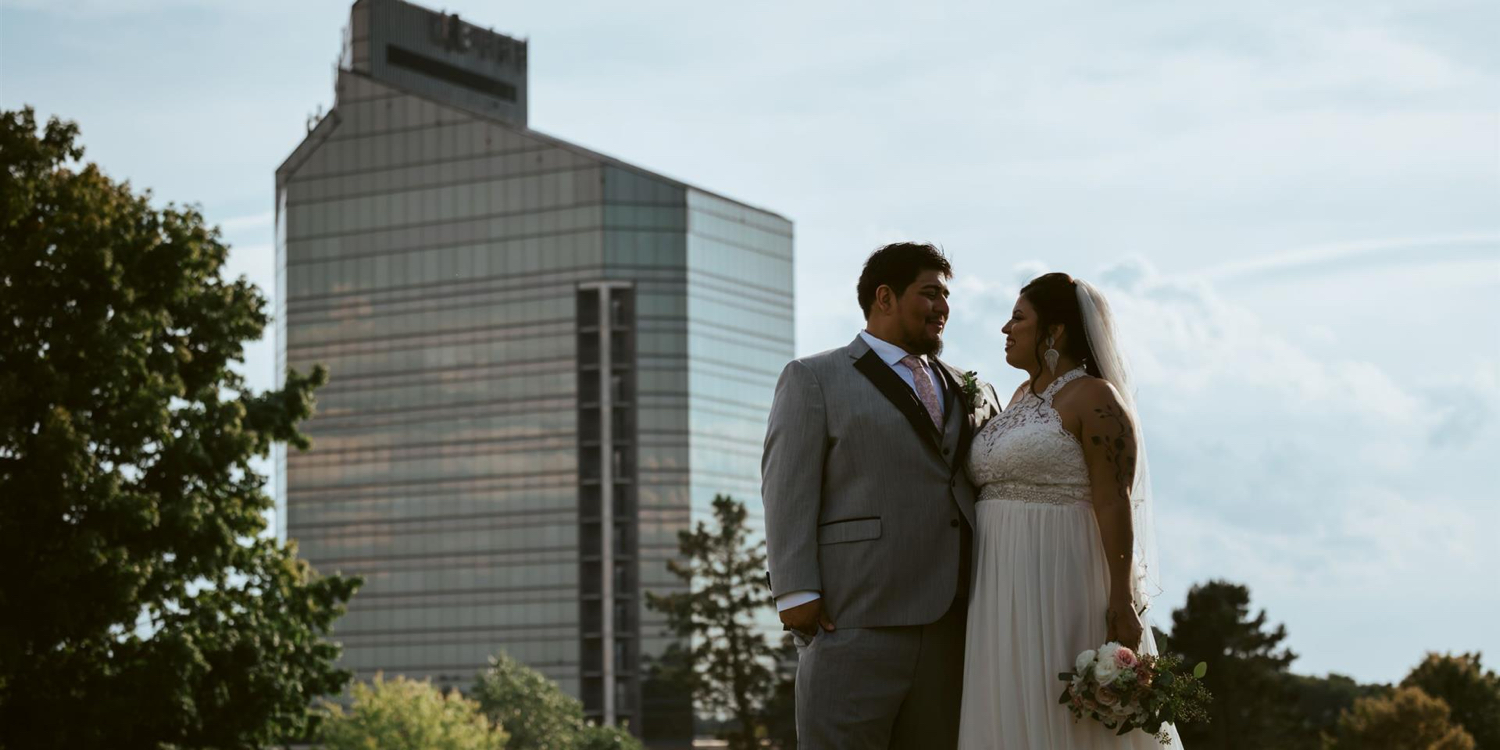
x=1343, y=256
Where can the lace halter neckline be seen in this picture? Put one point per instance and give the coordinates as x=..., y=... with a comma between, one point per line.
x=1050, y=391
x=1025, y=453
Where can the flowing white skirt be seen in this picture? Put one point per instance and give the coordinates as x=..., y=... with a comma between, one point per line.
x=1040, y=591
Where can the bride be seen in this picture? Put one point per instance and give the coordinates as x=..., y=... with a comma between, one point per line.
x=1062, y=558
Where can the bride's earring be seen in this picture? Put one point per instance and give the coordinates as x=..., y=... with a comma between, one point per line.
x=1051, y=356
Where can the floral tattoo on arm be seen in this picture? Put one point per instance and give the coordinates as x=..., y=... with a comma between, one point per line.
x=1119, y=450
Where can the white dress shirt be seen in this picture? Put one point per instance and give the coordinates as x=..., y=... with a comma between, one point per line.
x=891, y=355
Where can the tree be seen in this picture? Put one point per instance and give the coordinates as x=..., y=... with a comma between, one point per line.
x=730, y=662
x=1318, y=702
x=538, y=714
x=1472, y=693
x=142, y=603
x=1409, y=719
x=599, y=737
x=1247, y=667
x=781, y=709
x=667, y=697
x=407, y=714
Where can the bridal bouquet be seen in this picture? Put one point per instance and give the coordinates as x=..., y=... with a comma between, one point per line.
x=1123, y=690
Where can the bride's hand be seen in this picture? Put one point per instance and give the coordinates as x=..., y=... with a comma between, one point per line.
x=1124, y=626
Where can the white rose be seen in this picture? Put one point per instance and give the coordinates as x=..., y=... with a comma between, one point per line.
x=1084, y=660
x=1107, y=669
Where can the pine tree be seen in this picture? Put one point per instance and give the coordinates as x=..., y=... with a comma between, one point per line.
x=730, y=665
x=1252, y=707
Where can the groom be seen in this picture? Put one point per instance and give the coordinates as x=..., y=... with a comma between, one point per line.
x=869, y=516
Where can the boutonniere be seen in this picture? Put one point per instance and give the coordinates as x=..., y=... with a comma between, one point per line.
x=971, y=386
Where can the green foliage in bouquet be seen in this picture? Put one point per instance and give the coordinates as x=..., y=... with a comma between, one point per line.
x=1155, y=692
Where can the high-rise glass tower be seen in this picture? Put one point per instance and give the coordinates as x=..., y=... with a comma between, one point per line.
x=544, y=363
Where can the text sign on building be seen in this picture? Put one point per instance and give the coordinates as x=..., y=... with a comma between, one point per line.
x=452, y=34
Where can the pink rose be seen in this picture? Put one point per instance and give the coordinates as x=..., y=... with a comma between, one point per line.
x=1126, y=658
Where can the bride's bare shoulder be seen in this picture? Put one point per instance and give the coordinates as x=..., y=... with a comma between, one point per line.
x=1089, y=392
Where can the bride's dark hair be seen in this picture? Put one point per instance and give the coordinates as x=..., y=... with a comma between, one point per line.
x=1054, y=297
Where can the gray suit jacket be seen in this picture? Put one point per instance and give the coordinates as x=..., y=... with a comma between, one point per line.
x=866, y=500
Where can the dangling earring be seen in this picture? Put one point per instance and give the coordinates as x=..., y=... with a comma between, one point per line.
x=1051, y=356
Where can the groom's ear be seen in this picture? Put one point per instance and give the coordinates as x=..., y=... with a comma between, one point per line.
x=885, y=298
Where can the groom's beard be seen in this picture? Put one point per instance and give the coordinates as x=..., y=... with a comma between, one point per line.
x=929, y=347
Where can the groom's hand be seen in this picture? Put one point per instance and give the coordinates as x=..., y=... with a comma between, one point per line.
x=807, y=618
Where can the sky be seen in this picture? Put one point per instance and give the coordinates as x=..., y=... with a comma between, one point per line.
x=1294, y=209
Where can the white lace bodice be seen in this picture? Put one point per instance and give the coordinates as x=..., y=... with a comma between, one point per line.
x=1026, y=454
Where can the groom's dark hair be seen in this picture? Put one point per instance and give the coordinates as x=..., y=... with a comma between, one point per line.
x=897, y=265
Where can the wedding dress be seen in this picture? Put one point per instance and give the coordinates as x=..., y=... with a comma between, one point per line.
x=1040, y=586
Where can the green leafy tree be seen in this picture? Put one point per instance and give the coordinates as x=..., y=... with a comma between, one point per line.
x=729, y=668
x=598, y=737
x=533, y=709
x=1408, y=719
x=403, y=714
x=1317, y=704
x=538, y=714
x=142, y=604
x=1247, y=669
x=1471, y=692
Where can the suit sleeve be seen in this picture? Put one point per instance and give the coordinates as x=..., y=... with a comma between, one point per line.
x=792, y=480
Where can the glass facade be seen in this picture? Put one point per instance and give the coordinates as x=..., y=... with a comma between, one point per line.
x=543, y=364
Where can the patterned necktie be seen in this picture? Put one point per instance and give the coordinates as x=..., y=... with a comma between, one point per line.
x=925, y=392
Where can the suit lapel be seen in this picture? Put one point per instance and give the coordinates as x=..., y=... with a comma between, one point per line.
x=959, y=411
x=899, y=394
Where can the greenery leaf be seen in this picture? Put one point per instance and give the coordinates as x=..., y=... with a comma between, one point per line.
x=146, y=604
x=731, y=668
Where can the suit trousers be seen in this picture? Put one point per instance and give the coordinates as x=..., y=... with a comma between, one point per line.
x=890, y=687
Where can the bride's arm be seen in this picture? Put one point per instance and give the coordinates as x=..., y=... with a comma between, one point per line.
x=1109, y=448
